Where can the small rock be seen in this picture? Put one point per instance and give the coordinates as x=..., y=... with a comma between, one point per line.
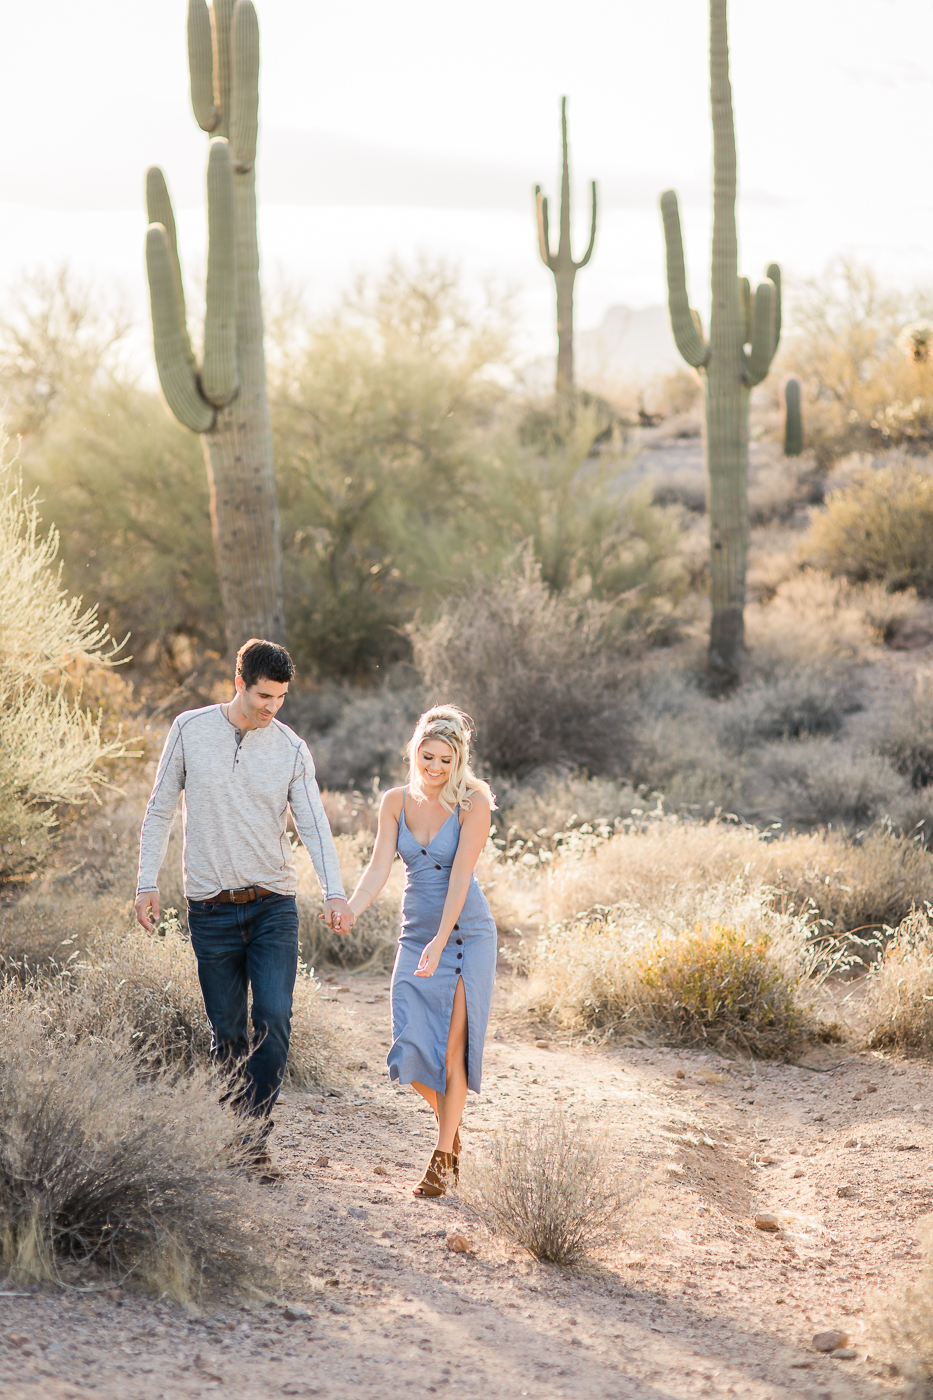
x=338, y=1308
x=871, y=1088
x=679, y=1074
x=847, y=1191
x=380, y=1171
x=798, y=1172
x=318, y=1108
x=115, y=1294
x=818, y=1118
x=852, y=1142
x=322, y=1162
x=357, y=1212
x=332, y=1283
x=295, y=1312
x=458, y=1243
x=844, y=1354
x=497, y=1035
x=766, y=1222
x=829, y=1341
x=748, y=1087
x=17, y=1339
x=542, y=1045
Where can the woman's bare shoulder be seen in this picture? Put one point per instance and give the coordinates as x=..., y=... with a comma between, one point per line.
x=391, y=802
x=480, y=801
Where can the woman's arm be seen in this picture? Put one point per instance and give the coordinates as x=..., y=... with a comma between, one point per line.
x=380, y=862
x=473, y=833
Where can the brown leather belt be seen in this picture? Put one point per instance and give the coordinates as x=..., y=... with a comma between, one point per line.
x=243, y=896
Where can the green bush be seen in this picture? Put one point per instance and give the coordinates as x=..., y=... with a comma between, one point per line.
x=879, y=527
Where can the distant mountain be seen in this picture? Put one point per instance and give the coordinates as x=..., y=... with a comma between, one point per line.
x=630, y=347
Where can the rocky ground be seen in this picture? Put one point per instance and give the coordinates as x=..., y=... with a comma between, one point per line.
x=693, y=1299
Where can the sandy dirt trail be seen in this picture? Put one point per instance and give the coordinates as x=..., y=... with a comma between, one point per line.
x=694, y=1301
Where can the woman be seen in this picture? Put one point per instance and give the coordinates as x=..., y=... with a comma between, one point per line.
x=446, y=961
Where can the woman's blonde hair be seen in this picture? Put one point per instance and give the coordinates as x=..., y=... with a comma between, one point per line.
x=455, y=728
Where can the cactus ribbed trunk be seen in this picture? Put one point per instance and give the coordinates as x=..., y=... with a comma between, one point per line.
x=562, y=263
x=737, y=320
x=240, y=466
x=727, y=395
x=224, y=400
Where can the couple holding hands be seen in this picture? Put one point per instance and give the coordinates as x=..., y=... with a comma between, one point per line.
x=240, y=771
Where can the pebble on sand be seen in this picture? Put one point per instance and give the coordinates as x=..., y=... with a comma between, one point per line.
x=830, y=1341
x=322, y=1162
x=295, y=1312
x=458, y=1243
x=766, y=1222
x=542, y=1045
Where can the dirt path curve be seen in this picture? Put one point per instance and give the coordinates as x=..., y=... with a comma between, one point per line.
x=695, y=1300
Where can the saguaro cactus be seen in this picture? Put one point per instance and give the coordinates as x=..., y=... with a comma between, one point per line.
x=224, y=399
x=737, y=320
x=793, y=419
x=561, y=263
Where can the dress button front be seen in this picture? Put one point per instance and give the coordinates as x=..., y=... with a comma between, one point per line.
x=459, y=970
x=459, y=955
x=459, y=940
x=423, y=851
x=437, y=867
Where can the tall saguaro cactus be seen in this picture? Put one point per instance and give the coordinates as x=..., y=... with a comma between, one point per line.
x=224, y=398
x=561, y=263
x=743, y=337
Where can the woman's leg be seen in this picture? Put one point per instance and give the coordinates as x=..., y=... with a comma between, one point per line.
x=427, y=1094
x=450, y=1105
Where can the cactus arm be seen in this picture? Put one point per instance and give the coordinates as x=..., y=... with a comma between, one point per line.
x=684, y=322
x=759, y=358
x=169, y=337
x=223, y=70
x=220, y=375
x=159, y=211
x=774, y=275
x=589, y=249
x=201, y=65
x=244, y=119
x=544, y=236
x=745, y=308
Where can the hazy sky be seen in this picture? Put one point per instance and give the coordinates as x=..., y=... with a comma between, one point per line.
x=422, y=126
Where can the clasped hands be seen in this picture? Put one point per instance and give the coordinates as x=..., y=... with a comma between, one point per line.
x=338, y=915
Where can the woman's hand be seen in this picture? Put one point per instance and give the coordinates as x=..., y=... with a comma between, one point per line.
x=430, y=957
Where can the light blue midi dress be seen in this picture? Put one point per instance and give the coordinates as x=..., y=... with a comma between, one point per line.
x=422, y=1006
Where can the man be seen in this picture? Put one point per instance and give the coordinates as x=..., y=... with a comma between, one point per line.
x=240, y=770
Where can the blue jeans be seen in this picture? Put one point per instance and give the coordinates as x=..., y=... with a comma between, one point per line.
x=241, y=946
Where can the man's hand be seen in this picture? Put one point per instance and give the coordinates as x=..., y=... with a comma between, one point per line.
x=148, y=900
x=338, y=915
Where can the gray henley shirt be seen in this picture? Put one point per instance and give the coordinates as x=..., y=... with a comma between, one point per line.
x=237, y=787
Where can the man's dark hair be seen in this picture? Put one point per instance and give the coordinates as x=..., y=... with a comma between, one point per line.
x=257, y=659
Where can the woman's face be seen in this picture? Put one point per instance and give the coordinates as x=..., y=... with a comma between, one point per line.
x=435, y=758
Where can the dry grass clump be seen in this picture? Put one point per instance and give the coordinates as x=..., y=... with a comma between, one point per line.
x=97, y=1165
x=879, y=527
x=899, y=996
x=907, y=736
x=372, y=940
x=552, y=1185
x=657, y=872
x=817, y=781
x=718, y=985
x=904, y=1330
x=149, y=984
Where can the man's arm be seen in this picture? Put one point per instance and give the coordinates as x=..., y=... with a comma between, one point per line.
x=157, y=826
x=304, y=798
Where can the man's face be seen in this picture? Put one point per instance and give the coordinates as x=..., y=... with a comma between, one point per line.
x=261, y=701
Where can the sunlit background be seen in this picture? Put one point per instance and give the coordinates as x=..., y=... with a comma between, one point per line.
x=418, y=127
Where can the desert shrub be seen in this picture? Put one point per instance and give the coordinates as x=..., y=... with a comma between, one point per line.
x=552, y=1184
x=719, y=985
x=541, y=812
x=358, y=736
x=899, y=993
x=790, y=706
x=382, y=424
x=97, y=1165
x=818, y=781
x=906, y=737
x=610, y=972
x=866, y=383
x=148, y=983
x=879, y=527
x=903, y=1327
x=538, y=672
x=51, y=749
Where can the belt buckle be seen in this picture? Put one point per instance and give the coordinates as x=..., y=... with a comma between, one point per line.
x=239, y=896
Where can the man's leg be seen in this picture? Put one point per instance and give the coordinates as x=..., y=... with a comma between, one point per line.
x=272, y=957
x=222, y=972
